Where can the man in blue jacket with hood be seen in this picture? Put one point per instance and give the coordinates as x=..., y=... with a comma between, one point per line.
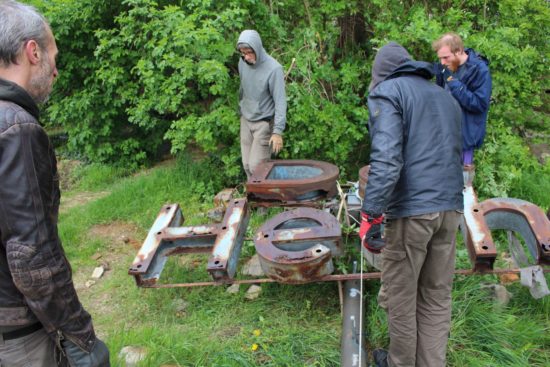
x=262, y=101
x=465, y=74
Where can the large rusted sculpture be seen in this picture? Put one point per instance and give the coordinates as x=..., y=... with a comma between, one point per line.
x=297, y=246
x=292, y=182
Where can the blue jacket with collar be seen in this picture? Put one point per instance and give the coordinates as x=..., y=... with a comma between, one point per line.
x=473, y=92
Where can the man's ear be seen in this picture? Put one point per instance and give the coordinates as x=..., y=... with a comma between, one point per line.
x=32, y=52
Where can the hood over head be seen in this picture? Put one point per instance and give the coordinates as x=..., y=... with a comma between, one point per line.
x=386, y=61
x=251, y=38
x=420, y=68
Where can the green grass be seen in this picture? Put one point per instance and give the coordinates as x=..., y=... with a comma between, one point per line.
x=298, y=325
x=97, y=176
x=534, y=187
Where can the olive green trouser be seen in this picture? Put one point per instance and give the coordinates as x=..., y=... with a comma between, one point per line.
x=254, y=143
x=417, y=274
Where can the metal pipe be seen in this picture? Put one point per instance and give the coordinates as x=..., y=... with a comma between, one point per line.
x=352, y=354
x=327, y=278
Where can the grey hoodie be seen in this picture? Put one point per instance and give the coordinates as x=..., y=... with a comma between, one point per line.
x=262, y=92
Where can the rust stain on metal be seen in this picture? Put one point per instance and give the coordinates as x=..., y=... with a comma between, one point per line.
x=225, y=255
x=169, y=215
x=167, y=238
x=331, y=278
x=292, y=181
x=509, y=214
x=297, y=246
x=477, y=235
x=475, y=220
x=291, y=235
x=524, y=218
x=224, y=243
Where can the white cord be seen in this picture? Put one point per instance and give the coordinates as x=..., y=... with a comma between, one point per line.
x=361, y=310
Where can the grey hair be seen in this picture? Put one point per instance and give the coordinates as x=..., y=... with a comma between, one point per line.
x=19, y=23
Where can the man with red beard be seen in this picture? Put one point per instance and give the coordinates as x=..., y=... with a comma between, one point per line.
x=465, y=74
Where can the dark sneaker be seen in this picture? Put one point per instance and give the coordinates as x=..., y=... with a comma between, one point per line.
x=380, y=357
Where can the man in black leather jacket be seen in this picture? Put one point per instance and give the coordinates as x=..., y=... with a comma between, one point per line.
x=40, y=312
x=415, y=180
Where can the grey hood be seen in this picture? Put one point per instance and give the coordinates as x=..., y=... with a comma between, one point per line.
x=387, y=59
x=262, y=94
x=252, y=38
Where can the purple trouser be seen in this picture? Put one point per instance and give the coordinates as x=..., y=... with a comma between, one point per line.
x=468, y=157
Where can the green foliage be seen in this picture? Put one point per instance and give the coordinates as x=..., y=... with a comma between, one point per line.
x=139, y=77
x=533, y=186
x=513, y=35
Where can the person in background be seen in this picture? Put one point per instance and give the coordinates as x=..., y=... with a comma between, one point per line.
x=414, y=183
x=262, y=102
x=42, y=322
x=465, y=74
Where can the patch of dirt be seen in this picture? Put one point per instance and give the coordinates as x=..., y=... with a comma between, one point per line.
x=118, y=234
x=124, y=239
x=80, y=199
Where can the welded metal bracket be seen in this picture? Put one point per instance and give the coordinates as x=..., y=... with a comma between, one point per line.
x=521, y=217
x=167, y=237
x=297, y=246
x=510, y=214
x=222, y=264
x=477, y=236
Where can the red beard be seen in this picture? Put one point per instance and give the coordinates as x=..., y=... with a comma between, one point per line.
x=453, y=65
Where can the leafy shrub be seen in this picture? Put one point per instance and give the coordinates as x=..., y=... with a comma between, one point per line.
x=136, y=74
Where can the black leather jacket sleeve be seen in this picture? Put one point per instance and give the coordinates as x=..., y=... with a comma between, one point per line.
x=29, y=202
x=386, y=129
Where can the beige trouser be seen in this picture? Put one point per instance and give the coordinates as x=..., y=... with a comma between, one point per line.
x=254, y=143
x=417, y=274
x=33, y=350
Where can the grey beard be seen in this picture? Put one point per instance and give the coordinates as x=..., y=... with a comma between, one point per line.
x=39, y=87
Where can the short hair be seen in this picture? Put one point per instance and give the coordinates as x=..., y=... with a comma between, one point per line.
x=19, y=23
x=452, y=40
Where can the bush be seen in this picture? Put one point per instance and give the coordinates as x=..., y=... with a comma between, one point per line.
x=136, y=74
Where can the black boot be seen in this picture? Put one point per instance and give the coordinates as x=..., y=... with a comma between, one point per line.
x=380, y=357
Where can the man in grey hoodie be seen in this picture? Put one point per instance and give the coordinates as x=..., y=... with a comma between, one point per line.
x=262, y=101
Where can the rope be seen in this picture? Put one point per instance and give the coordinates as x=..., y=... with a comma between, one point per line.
x=361, y=295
